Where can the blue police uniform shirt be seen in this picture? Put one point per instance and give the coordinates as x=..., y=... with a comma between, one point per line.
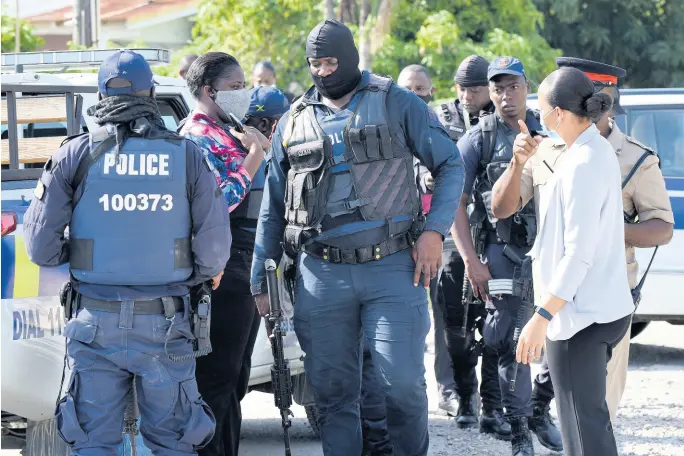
x=426, y=137
x=470, y=145
x=46, y=219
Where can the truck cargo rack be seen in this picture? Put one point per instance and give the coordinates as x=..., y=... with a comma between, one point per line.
x=70, y=60
x=47, y=103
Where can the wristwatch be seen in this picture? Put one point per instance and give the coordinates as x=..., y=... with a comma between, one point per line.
x=544, y=313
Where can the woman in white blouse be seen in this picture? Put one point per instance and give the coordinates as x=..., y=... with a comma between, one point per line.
x=579, y=253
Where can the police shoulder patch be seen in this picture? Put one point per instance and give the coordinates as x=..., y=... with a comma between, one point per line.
x=640, y=144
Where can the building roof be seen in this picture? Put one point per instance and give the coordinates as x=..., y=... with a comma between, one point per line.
x=121, y=10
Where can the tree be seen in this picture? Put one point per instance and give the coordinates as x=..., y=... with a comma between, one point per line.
x=440, y=34
x=390, y=34
x=255, y=30
x=28, y=40
x=645, y=37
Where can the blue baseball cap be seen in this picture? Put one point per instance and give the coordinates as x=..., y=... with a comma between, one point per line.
x=505, y=65
x=128, y=65
x=267, y=102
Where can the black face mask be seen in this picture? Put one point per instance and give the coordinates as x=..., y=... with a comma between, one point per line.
x=426, y=98
x=333, y=39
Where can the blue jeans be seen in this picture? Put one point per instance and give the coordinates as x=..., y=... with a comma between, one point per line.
x=337, y=305
x=105, y=350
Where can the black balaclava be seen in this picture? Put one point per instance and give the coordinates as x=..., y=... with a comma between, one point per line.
x=333, y=39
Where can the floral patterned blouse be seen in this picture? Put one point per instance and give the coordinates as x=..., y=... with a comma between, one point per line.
x=225, y=154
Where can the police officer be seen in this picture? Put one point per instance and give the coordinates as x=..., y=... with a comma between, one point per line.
x=266, y=107
x=458, y=117
x=485, y=150
x=417, y=79
x=145, y=222
x=644, y=198
x=342, y=164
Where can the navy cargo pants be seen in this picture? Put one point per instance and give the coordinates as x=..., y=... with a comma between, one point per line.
x=498, y=335
x=338, y=305
x=447, y=296
x=105, y=350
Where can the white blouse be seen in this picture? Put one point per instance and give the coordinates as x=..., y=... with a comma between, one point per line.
x=579, y=252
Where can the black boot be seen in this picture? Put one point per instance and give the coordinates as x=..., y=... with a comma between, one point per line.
x=542, y=425
x=522, y=439
x=493, y=422
x=467, y=412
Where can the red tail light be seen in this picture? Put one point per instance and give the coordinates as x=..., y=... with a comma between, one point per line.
x=9, y=222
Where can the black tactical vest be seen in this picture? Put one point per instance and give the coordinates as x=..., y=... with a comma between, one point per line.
x=379, y=160
x=452, y=120
x=497, y=151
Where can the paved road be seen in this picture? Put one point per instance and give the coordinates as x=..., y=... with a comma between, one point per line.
x=651, y=420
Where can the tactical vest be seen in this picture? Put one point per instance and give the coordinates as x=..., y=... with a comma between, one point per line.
x=132, y=223
x=246, y=214
x=453, y=121
x=497, y=151
x=379, y=160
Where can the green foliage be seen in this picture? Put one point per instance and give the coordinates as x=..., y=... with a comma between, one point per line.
x=255, y=30
x=28, y=40
x=439, y=35
x=436, y=33
x=645, y=37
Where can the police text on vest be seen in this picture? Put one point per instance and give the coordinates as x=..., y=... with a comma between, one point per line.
x=137, y=164
x=140, y=202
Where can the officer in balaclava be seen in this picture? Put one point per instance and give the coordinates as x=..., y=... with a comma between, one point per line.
x=341, y=196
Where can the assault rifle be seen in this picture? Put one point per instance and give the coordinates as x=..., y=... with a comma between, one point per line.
x=467, y=297
x=280, y=371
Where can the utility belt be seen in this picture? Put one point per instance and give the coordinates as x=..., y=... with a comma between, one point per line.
x=168, y=306
x=360, y=255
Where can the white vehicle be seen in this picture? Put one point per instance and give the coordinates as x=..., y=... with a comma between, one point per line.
x=50, y=107
x=656, y=118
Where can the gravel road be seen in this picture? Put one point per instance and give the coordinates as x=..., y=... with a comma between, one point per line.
x=650, y=421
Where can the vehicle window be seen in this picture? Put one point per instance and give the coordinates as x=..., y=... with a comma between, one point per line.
x=169, y=114
x=662, y=129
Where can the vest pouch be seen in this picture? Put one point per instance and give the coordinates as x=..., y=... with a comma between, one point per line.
x=373, y=142
x=307, y=183
x=308, y=157
x=495, y=170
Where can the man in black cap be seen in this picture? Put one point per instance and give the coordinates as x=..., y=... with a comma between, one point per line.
x=342, y=192
x=645, y=199
x=458, y=117
x=127, y=316
x=485, y=150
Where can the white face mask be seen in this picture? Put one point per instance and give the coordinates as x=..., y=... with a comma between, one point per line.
x=235, y=102
x=552, y=133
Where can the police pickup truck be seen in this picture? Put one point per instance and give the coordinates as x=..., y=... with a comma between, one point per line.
x=38, y=111
x=655, y=117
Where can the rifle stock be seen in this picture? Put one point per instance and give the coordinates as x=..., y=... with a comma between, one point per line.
x=280, y=371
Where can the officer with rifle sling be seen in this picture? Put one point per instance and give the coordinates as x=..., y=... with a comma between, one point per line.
x=342, y=192
x=128, y=303
x=457, y=306
x=486, y=150
x=649, y=221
